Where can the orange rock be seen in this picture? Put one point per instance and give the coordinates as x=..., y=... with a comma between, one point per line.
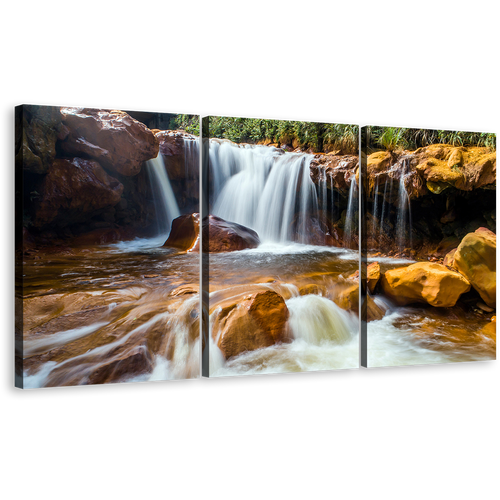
x=449, y=260
x=259, y=320
x=475, y=258
x=348, y=300
x=185, y=233
x=373, y=275
x=424, y=282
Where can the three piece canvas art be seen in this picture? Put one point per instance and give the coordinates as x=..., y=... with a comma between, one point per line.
x=154, y=246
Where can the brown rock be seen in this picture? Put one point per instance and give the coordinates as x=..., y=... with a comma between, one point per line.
x=313, y=289
x=185, y=233
x=136, y=361
x=259, y=320
x=120, y=143
x=75, y=188
x=223, y=236
x=424, y=282
x=475, y=258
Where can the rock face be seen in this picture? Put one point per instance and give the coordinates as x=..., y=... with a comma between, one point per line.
x=120, y=143
x=185, y=233
x=336, y=170
x=475, y=258
x=259, y=320
x=424, y=282
x=36, y=142
x=222, y=236
x=72, y=189
x=463, y=168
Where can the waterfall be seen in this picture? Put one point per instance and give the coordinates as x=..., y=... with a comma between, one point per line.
x=375, y=214
x=403, y=209
x=263, y=188
x=165, y=203
x=352, y=208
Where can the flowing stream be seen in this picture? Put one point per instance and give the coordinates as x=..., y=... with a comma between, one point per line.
x=130, y=311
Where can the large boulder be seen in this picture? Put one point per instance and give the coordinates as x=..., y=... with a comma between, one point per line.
x=424, y=282
x=258, y=321
x=185, y=233
x=72, y=189
x=223, y=236
x=373, y=275
x=475, y=258
x=120, y=143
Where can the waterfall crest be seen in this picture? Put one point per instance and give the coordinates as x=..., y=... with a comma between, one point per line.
x=263, y=188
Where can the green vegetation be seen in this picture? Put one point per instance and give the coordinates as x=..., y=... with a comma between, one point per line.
x=392, y=138
x=306, y=135
x=328, y=136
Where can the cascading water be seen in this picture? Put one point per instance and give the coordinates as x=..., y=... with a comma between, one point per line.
x=263, y=188
x=166, y=205
x=352, y=207
x=404, y=209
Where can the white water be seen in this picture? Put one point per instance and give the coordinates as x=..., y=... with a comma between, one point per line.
x=352, y=206
x=167, y=208
x=324, y=338
x=263, y=188
x=404, y=209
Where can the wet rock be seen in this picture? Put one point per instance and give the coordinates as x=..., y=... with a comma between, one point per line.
x=73, y=189
x=172, y=147
x=257, y=321
x=475, y=258
x=136, y=361
x=120, y=143
x=424, y=282
x=223, y=236
x=335, y=170
x=348, y=299
x=313, y=289
x=185, y=233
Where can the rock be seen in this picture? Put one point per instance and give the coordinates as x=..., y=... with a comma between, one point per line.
x=442, y=166
x=172, y=146
x=40, y=129
x=313, y=289
x=336, y=170
x=348, y=300
x=136, y=361
x=484, y=307
x=120, y=143
x=72, y=190
x=258, y=321
x=185, y=233
x=373, y=275
x=424, y=282
x=449, y=259
x=490, y=330
x=223, y=236
x=475, y=258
